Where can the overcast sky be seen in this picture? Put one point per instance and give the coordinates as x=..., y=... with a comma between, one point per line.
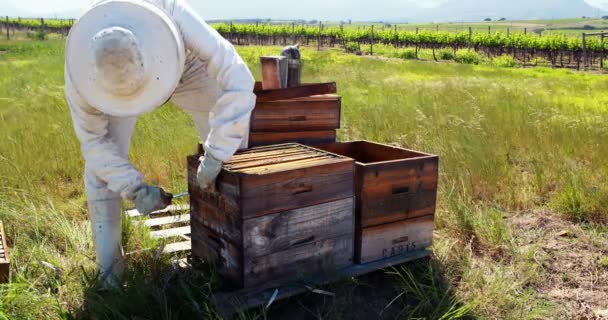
x=277, y=9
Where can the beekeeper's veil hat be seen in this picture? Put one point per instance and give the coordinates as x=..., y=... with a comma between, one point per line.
x=125, y=57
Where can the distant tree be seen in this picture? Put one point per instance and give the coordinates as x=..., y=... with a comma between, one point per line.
x=502, y=19
x=605, y=17
x=487, y=19
x=350, y=21
x=584, y=17
x=313, y=22
x=588, y=27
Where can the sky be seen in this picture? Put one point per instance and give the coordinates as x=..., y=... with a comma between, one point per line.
x=276, y=9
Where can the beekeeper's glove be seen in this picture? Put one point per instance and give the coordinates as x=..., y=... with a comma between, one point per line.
x=208, y=171
x=149, y=199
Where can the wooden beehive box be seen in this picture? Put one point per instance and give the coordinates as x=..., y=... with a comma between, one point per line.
x=396, y=193
x=308, y=119
x=4, y=258
x=280, y=213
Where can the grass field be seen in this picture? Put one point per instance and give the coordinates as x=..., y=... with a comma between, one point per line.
x=522, y=212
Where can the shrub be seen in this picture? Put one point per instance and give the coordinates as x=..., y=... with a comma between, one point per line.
x=408, y=54
x=37, y=35
x=446, y=54
x=505, y=61
x=468, y=57
x=352, y=47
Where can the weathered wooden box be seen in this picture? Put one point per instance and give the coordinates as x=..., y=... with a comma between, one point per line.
x=4, y=258
x=309, y=120
x=396, y=193
x=280, y=213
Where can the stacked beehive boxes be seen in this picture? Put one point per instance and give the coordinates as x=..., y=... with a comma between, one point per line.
x=283, y=212
x=280, y=213
x=396, y=193
x=306, y=120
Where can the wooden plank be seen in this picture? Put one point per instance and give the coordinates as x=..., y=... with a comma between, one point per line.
x=172, y=208
x=310, y=114
x=4, y=256
x=274, y=72
x=229, y=303
x=319, y=257
x=227, y=258
x=168, y=233
x=177, y=247
x=296, y=92
x=288, y=229
x=393, y=239
x=220, y=215
x=157, y=222
x=281, y=191
x=304, y=137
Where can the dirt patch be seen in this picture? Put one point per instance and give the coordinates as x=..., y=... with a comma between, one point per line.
x=574, y=262
x=3, y=52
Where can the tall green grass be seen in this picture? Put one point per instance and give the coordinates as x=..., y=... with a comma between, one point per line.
x=510, y=140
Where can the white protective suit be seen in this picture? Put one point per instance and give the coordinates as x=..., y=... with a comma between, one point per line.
x=216, y=89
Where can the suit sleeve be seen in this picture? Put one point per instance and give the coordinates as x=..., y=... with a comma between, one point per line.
x=229, y=119
x=101, y=154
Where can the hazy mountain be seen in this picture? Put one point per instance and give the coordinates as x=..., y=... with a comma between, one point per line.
x=475, y=10
x=358, y=10
x=397, y=10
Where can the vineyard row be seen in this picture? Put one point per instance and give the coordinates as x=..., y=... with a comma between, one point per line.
x=558, y=49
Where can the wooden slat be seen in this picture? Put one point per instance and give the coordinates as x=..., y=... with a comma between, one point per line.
x=288, y=229
x=237, y=158
x=304, y=137
x=267, y=156
x=227, y=258
x=268, y=162
x=156, y=222
x=229, y=303
x=168, y=233
x=319, y=257
x=4, y=256
x=296, y=92
x=178, y=247
x=171, y=208
x=389, y=240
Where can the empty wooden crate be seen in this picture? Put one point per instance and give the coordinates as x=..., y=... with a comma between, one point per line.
x=309, y=120
x=396, y=193
x=4, y=260
x=280, y=213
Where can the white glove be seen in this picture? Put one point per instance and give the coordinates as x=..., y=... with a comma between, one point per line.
x=208, y=171
x=149, y=199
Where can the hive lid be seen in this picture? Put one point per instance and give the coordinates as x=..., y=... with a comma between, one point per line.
x=279, y=158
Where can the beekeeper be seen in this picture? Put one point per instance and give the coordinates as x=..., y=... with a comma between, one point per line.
x=125, y=58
